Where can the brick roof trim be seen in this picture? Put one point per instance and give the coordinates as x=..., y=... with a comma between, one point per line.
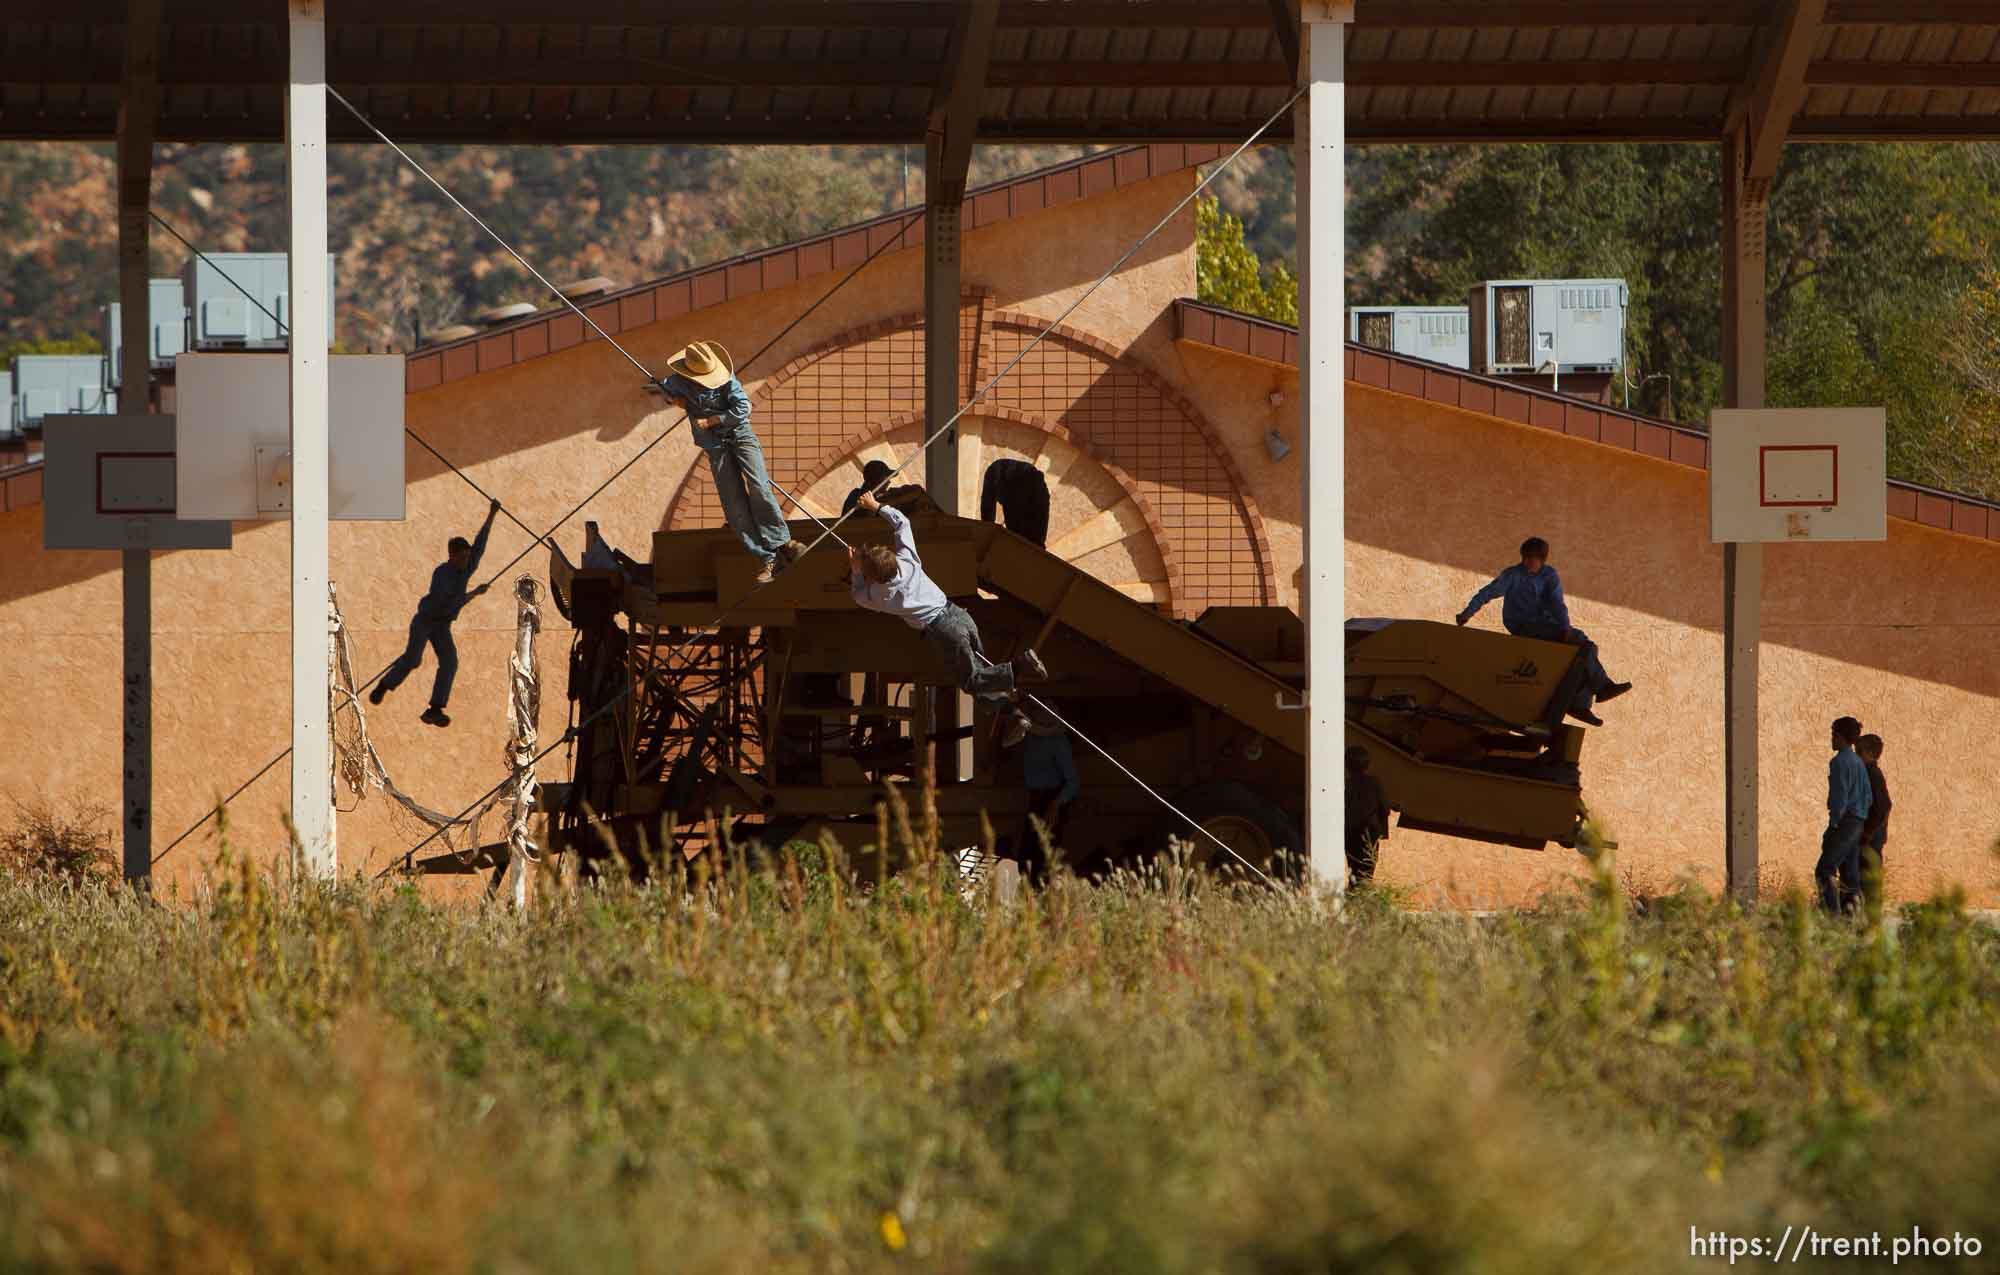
x=21, y=485
x=717, y=283
x=1278, y=343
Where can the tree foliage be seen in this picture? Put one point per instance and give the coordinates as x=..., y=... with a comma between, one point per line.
x=1875, y=257
x=1229, y=274
x=48, y=345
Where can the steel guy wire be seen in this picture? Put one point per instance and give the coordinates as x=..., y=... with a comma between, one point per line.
x=368, y=124
x=535, y=541
x=250, y=296
x=985, y=389
x=1150, y=790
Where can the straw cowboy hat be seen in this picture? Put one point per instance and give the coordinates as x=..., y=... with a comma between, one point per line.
x=705, y=363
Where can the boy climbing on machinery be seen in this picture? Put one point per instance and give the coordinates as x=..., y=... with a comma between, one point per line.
x=703, y=380
x=893, y=582
x=1533, y=607
x=432, y=624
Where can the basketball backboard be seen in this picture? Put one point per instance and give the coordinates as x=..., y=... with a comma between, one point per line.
x=234, y=415
x=1803, y=473
x=108, y=483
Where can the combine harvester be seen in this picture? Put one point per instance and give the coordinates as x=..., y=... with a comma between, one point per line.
x=791, y=716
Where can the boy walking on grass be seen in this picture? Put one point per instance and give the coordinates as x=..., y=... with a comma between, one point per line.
x=1848, y=798
x=1875, y=831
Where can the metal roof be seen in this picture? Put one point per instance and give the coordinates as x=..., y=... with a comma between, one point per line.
x=825, y=71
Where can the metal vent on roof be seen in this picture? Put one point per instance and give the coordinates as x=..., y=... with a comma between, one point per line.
x=503, y=313
x=596, y=285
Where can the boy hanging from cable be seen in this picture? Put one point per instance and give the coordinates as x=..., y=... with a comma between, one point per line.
x=432, y=624
x=702, y=379
x=893, y=582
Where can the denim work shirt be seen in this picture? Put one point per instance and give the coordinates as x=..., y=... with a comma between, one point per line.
x=726, y=402
x=448, y=594
x=912, y=595
x=1048, y=762
x=1534, y=603
x=1848, y=792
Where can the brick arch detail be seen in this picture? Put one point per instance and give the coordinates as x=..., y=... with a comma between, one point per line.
x=798, y=472
x=766, y=390
x=1259, y=536
x=902, y=420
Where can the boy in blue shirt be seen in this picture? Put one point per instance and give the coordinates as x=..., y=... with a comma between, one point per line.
x=1848, y=799
x=1534, y=608
x=1048, y=769
x=432, y=625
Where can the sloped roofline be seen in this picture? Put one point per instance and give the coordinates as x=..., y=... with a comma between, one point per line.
x=558, y=328
x=1258, y=338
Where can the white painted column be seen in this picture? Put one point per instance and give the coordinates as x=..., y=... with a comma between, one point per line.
x=305, y=160
x=1319, y=130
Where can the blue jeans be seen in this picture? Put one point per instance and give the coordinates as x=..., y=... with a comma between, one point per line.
x=743, y=485
x=955, y=638
x=437, y=635
x=1839, y=861
x=1595, y=678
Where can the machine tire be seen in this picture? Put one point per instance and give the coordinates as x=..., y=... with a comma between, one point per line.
x=1244, y=819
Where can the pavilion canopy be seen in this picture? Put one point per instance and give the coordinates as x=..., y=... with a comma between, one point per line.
x=856, y=71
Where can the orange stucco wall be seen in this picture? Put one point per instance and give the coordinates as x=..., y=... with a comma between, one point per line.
x=542, y=433
x=1899, y=634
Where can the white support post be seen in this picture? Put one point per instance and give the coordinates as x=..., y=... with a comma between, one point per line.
x=1319, y=131
x=1743, y=214
x=305, y=170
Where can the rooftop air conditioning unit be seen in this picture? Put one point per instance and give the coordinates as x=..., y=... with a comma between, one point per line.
x=1548, y=325
x=166, y=332
x=59, y=384
x=1439, y=333
x=221, y=317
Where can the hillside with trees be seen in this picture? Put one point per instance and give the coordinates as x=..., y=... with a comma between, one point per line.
x=1884, y=279
x=406, y=261
x=1883, y=275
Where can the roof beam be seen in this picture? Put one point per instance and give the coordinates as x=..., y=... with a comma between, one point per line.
x=1904, y=75
x=1896, y=128
x=1413, y=74
x=955, y=116
x=1285, y=22
x=1248, y=15
x=1362, y=130
x=528, y=13
x=358, y=71
x=365, y=70
x=1906, y=13
x=25, y=124
x=1555, y=13
x=1763, y=105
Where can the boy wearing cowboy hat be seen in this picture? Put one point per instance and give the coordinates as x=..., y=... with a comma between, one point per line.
x=702, y=379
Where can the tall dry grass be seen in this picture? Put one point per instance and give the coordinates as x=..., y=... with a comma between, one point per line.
x=776, y=1072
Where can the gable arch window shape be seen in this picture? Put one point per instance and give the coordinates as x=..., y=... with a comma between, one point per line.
x=1139, y=479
